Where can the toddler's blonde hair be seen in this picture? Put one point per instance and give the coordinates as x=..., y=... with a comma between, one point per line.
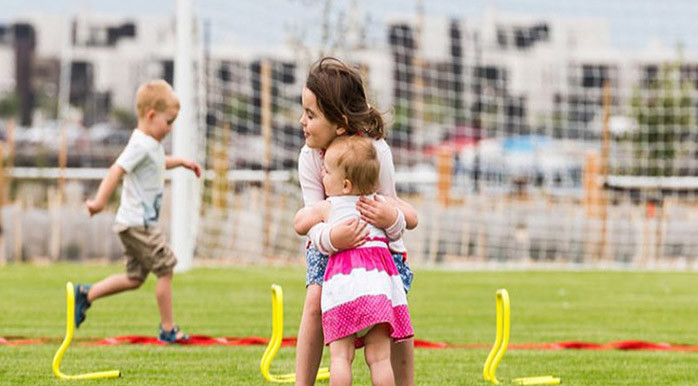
x=358, y=160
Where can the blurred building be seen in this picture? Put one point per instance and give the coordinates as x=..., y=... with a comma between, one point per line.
x=108, y=56
x=496, y=75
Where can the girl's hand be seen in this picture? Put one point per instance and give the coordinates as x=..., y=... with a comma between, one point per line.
x=349, y=234
x=193, y=166
x=378, y=212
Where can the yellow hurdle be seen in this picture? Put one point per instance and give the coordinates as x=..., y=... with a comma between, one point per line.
x=502, y=337
x=501, y=343
x=542, y=380
x=69, y=329
x=277, y=331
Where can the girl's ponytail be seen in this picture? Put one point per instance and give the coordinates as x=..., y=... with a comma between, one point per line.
x=374, y=125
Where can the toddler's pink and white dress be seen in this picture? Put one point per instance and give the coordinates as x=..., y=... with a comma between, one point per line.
x=362, y=286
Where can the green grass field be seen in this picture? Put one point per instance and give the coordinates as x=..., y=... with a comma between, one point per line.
x=454, y=307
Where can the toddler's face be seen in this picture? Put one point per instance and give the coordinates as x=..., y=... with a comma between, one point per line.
x=333, y=175
x=317, y=130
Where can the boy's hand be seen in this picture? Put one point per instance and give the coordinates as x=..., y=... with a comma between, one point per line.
x=193, y=166
x=348, y=234
x=93, y=206
x=378, y=212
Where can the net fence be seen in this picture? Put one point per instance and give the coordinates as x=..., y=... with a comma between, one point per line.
x=529, y=132
x=523, y=132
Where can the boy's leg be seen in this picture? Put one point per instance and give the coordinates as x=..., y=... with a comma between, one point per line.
x=158, y=258
x=86, y=294
x=112, y=285
x=341, y=357
x=402, y=359
x=169, y=332
x=377, y=354
x=310, y=338
x=163, y=294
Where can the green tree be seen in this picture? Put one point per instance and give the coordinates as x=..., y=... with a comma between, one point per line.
x=664, y=112
x=125, y=118
x=9, y=106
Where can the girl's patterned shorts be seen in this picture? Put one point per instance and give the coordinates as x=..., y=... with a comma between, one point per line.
x=316, y=263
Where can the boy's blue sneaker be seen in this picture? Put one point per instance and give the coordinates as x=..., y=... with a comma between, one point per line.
x=81, y=303
x=175, y=335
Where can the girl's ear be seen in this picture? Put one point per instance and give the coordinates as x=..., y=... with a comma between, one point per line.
x=341, y=130
x=347, y=186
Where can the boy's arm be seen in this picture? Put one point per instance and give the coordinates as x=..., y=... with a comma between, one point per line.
x=106, y=188
x=173, y=162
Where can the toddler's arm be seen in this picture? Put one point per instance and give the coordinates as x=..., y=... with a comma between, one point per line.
x=173, y=162
x=326, y=238
x=306, y=218
x=329, y=239
x=105, y=190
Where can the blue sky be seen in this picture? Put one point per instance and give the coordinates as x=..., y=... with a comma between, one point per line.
x=632, y=22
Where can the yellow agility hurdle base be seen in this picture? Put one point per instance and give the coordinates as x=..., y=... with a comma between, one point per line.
x=277, y=331
x=500, y=347
x=69, y=329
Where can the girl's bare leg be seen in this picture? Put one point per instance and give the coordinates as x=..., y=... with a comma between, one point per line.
x=310, y=338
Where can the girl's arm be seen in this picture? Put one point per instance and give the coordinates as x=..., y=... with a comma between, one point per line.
x=411, y=218
x=383, y=214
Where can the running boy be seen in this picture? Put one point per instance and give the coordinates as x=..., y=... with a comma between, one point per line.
x=143, y=162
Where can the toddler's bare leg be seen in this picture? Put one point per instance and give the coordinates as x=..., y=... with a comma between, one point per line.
x=341, y=357
x=377, y=354
x=402, y=358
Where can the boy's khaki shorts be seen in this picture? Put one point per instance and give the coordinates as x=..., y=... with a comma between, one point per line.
x=146, y=251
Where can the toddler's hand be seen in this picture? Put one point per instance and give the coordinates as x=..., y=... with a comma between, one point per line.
x=378, y=212
x=193, y=166
x=349, y=234
x=93, y=206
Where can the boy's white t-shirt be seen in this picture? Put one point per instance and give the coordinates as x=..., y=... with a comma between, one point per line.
x=143, y=160
x=310, y=166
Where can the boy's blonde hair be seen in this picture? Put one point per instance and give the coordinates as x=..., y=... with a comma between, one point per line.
x=157, y=95
x=358, y=159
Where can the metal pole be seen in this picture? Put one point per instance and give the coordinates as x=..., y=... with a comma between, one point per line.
x=183, y=232
x=605, y=149
x=266, y=95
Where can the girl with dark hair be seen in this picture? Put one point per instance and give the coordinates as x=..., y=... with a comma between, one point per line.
x=334, y=104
